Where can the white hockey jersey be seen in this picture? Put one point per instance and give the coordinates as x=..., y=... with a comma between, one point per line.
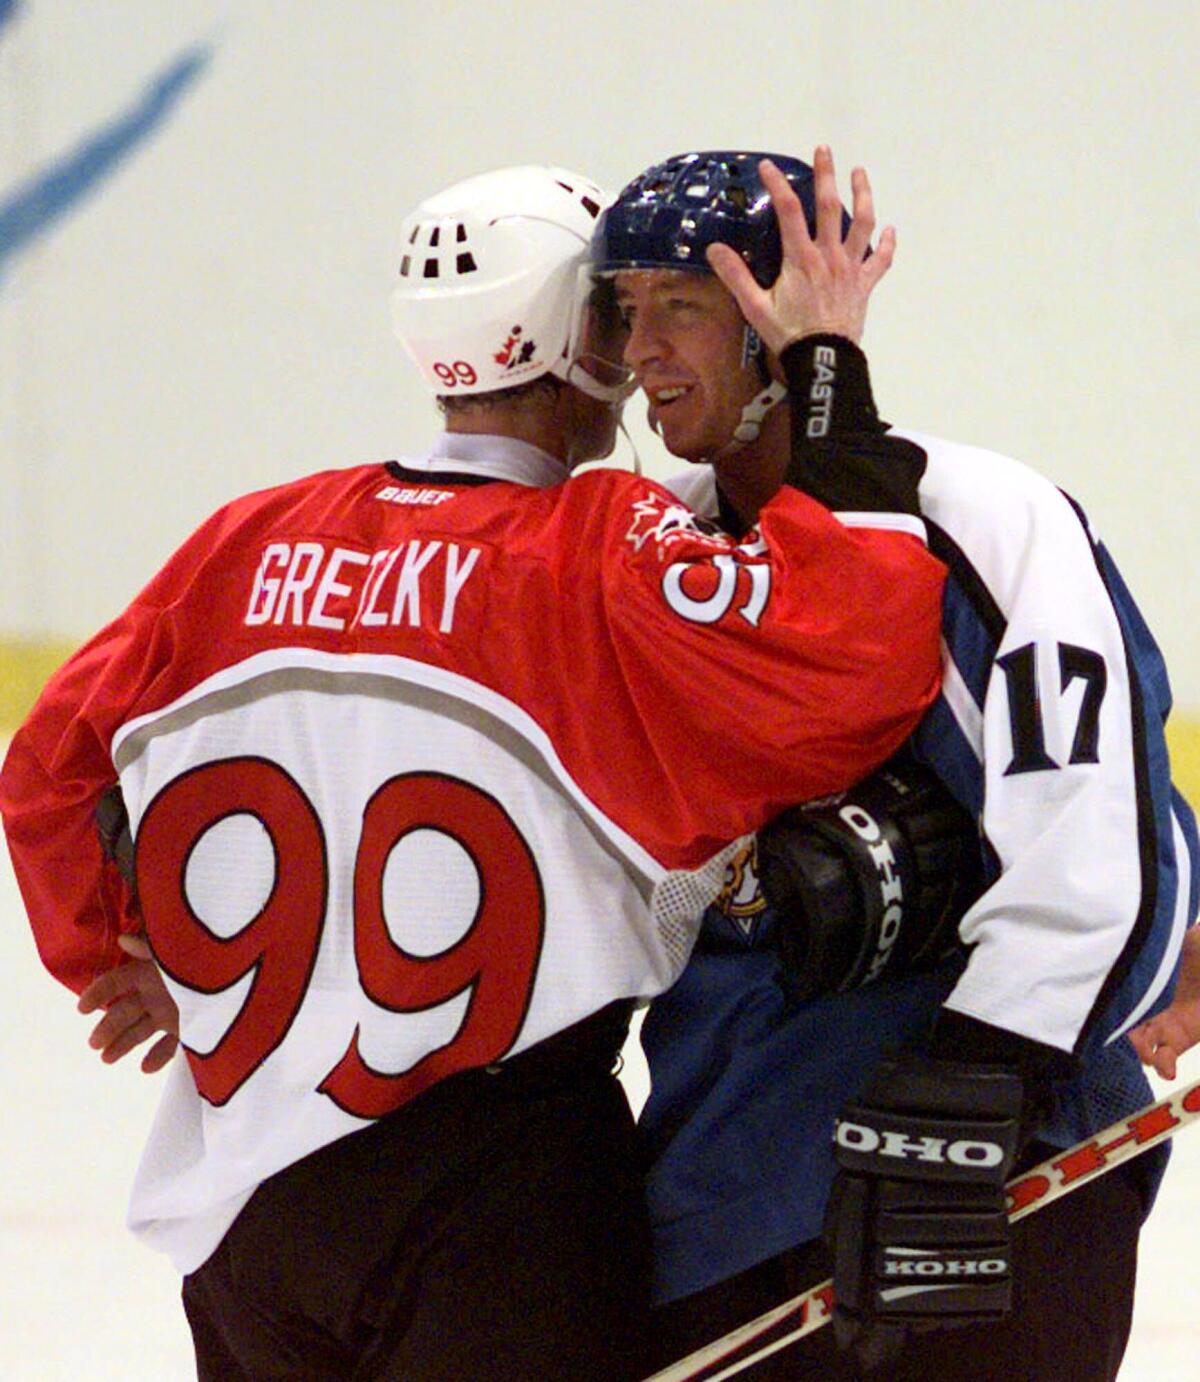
x=1049, y=728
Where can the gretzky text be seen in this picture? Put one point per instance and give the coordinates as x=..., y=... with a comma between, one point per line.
x=318, y=586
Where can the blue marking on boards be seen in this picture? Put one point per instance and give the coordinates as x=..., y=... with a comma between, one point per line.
x=33, y=207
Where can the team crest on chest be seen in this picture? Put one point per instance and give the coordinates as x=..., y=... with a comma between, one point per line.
x=657, y=518
x=740, y=898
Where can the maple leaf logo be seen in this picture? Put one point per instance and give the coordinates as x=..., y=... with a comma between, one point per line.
x=515, y=352
x=657, y=518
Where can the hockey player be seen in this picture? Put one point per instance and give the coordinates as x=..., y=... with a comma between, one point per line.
x=408, y=772
x=1049, y=731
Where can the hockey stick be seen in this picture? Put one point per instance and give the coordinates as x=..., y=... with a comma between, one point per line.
x=1028, y=1193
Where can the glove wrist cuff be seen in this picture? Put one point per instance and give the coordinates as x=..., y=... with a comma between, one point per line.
x=934, y=1120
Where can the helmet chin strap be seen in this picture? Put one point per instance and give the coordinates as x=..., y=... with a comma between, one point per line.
x=749, y=426
x=751, y=420
x=753, y=413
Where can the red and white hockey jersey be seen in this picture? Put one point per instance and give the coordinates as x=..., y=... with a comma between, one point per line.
x=424, y=770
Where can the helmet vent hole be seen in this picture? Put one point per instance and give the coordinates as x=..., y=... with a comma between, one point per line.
x=431, y=268
x=434, y=236
x=589, y=204
x=465, y=263
x=405, y=264
x=461, y=233
x=412, y=239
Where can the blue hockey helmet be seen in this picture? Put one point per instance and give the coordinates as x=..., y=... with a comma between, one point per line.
x=668, y=216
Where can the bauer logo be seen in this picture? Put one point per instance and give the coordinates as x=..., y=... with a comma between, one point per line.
x=398, y=494
x=966, y=1152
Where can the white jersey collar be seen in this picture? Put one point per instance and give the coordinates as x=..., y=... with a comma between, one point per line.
x=499, y=458
x=697, y=487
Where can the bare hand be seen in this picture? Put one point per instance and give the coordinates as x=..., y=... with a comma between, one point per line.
x=823, y=284
x=1163, y=1039
x=136, y=1004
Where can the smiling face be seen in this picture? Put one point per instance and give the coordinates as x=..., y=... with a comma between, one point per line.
x=685, y=346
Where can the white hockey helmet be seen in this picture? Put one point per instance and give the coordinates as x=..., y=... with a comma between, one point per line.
x=489, y=273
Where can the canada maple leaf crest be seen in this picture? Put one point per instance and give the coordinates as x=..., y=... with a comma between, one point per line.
x=657, y=518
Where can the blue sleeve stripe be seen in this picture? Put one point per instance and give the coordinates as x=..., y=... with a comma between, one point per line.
x=1147, y=1000
x=940, y=743
x=973, y=626
x=1139, y=962
x=972, y=622
x=943, y=546
x=1187, y=825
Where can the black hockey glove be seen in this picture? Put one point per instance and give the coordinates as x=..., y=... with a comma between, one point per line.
x=916, y=1222
x=873, y=880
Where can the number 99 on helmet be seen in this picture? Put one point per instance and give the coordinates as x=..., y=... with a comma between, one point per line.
x=489, y=283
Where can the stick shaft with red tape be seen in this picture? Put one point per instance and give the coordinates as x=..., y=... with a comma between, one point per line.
x=1060, y=1175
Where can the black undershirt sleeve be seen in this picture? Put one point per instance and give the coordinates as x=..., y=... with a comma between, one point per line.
x=842, y=454
x=957, y=1037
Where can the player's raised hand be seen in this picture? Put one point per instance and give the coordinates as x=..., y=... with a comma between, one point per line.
x=824, y=282
x=136, y=1004
x=1163, y=1039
